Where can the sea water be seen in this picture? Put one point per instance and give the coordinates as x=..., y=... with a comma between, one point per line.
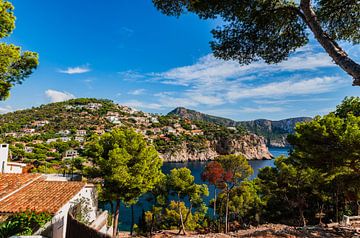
x=196, y=170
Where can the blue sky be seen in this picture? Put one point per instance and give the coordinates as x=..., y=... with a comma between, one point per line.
x=128, y=52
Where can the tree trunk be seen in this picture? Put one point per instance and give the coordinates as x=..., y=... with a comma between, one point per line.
x=227, y=213
x=187, y=214
x=181, y=227
x=152, y=223
x=116, y=218
x=337, y=206
x=132, y=220
x=339, y=56
x=221, y=215
x=215, y=202
x=302, y=217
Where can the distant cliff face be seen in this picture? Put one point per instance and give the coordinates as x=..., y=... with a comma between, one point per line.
x=251, y=146
x=274, y=132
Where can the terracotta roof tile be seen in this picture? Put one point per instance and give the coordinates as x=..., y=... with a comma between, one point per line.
x=10, y=182
x=41, y=196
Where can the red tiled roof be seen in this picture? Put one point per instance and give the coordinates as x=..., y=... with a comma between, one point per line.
x=41, y=196
x=11, y=182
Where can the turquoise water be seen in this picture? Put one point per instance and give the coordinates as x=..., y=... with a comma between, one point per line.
x=196, y=169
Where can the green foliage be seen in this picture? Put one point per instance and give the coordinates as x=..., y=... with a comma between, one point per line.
x=349, y=105
x=321, y=175
x=268, y=30
x=341, y=19
x=15, y=65
x=24, y=223
x=9, y=228
x=128, y=166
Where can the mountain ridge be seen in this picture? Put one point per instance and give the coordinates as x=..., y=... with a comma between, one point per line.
x=274, y=131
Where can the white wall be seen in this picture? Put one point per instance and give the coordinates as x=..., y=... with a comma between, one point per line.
x=4, y=151
x=60, y=218
x=13, y=168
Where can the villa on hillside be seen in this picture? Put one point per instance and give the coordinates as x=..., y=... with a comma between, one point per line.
x=70, y=154
x=42, y=193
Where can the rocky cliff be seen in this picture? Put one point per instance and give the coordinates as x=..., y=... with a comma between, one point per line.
x=251, y=146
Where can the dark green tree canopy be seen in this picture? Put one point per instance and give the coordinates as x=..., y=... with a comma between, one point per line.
x=15, y=65
x=272, y=29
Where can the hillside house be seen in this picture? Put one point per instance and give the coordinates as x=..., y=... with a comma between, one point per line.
x=29, y=149
x=113, y=119
x=157, y=130
x=93, y=106
x=64, y=132
x=177, y=125
x=99, y=131
x=81, y=132
x=114, y=114
x=70, y=154
x=197, y=132
x=37, y=142
x=65, y=139
x=170, y=130
x=40, y=193
x=154, y=120
x=79, y=139
x=28, y=130
x=40, y=123
x=48, y=141
x=69, y=107
x=11, y=134
x=7, y=166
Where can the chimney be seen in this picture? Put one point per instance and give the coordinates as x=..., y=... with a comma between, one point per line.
x=4, y=152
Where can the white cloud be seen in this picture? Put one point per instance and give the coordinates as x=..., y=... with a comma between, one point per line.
x=235, y=112
x=6, y=109
x=75, y=70
x=287, y=88
x=210, y=83
x=208, y=69
x=131, y=75
x=142, y=105
x=261, y=109
x=58, y=96
x=137, y=92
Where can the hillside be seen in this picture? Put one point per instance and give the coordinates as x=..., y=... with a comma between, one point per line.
x=49, y=134
x=275, y=132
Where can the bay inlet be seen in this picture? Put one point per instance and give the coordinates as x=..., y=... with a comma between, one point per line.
x=196, y=169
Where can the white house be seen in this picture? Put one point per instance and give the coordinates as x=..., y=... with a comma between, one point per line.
x=113, y=119
x=170, y=130
x=79, y=139
x=65, y=139
x=93, y=106
x=154, y=120
x=28, y=130
x=29, y=149
x=69, y=154
x=5, y=165
x=40, y=193
x=81, y=132
x=64, y=132
x=51, y=140
x=40, y=123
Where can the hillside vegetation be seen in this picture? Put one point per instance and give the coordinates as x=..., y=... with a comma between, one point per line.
x=47, y=135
